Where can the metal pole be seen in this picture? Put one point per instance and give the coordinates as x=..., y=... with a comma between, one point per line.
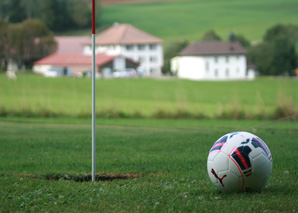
x=93, y=90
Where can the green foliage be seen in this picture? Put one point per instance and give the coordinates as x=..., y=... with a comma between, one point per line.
x=3, y=44
x=167, y=158
x=27, y=42
x=58, y=15
x=286, y=31
x=211, y=36
x=12, y=10
x=170, y=51
x=277, y=54
x=54, y=13
x=241, y=39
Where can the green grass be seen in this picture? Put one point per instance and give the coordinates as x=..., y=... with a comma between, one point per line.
x=191, y=19
x=168, y=155
x=32, y=95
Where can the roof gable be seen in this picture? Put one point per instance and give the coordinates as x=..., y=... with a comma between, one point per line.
x=125, y=34
x=213, y=48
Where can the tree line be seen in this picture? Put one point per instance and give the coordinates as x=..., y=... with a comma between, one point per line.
x=276, y=54
x=26, y=27
x=25, y=42
x=58, y=15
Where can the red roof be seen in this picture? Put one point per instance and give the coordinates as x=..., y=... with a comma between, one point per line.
x=74, y=59
x=71, y=44
x=125, y=34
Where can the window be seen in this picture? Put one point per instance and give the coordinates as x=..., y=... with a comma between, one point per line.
x=207, y=66
x=152, y=46
x=129, y=47
x=153, y=70
x=215, y=59
x=111, y=47
x=141, y=47
x=153, y=59
x=216, y=73
x=142, y=59
x=227, y=72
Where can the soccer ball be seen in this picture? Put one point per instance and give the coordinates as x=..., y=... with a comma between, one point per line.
x=239, y=161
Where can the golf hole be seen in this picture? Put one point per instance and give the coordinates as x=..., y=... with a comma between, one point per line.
x=83, y=178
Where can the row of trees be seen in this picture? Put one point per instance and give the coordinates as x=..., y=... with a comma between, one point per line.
x=25, y=42
x=58, y=15
x=275, y=55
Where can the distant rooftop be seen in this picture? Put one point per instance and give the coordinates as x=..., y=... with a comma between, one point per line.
x=74, y=59
x=125, y=34
x=213, y=48
x=71, y=44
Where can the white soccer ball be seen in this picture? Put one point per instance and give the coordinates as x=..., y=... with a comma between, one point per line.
x=239, y=161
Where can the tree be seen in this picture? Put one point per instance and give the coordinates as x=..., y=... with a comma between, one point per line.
x=283, y=55
x=15, y=11
x=261, y=56
x=3, y=44
x=240, y=38
x=171, y=51
x=54, y=14
x=30, y=41
x=287, y=31
x=58, y=15
x=211, y=35
x=81, y=12
x=276, y=55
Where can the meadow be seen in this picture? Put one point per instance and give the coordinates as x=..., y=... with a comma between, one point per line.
x=36, y=96
x=143, y=165
x=190, y=19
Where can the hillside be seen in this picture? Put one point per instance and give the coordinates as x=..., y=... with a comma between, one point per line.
x=112, y=2
x=190, y=19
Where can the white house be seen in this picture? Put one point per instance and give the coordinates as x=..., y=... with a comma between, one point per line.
x=212, y=60
x=120, y=50
x=133, y=43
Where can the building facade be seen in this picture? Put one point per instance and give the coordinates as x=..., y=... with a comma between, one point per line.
x=130, y=42
x=212, y=60
x=129, y=50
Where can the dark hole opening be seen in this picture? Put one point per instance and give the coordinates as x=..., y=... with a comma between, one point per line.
x=83, y=178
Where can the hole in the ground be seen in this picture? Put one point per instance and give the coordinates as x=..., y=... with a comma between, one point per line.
x=85, y=177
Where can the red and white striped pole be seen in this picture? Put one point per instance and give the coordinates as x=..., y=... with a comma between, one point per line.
x=93, y=90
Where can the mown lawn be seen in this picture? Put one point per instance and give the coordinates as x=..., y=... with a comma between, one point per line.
x=167, y=158
x=33, y=95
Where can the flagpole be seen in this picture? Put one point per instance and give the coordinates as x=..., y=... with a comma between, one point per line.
x=93, y=90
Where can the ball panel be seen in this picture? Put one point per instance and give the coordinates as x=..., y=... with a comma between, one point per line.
x=212, y=155
x=262, y=168
x=230, y=182
x=221, y=162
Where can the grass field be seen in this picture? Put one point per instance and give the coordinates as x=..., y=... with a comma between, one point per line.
x=32, y=95
x=167, y=159
x=191, y=19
